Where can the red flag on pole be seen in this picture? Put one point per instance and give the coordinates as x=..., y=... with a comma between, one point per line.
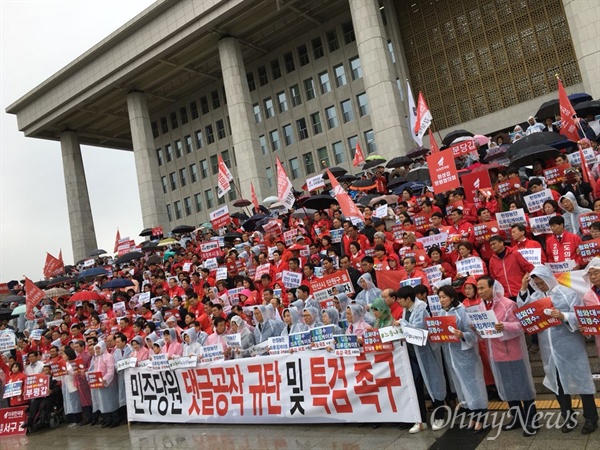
x=254, y=199
x=424, y=118
x=359, y=156
x=585, y=172
x=348, y=207
x=285, y=192
x=117, y=239
x=432, y=144
x=53, y=266
x=568, y=124
x=34, y=295
x=60, y=257
x=224, y=176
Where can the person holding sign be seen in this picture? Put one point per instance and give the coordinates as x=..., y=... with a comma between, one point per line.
x=507, y=266
x=109, y=394
x=14, y=374
x=563, y=349
x=355, y=317
x=71, y=402
x=508, y=357
x=247, y=338
x=592, y=297
x=463, y=362
x=572, y=211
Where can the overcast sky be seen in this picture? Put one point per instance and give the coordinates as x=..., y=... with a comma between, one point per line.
x=39, y=37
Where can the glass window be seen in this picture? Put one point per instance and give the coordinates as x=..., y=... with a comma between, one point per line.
x=324, y=82
x=348, y=31
x=155, y=132
x=178, y=148
x=269, y=111
x=302, y=129
x=282, y=100
x=204, y=168
x=199, y=139
x=194, y=172
x=174, y=123
x=232, y=195
x=210, y=198
x=275, y=144
x=257, y=115
x=295, y=168
x=309, y=163
x=251, y=82
x=270, y=179
x=317, y=46
x=183, y=176
x=391, y=49
x=194, y=110
x=216, y=102
x=263, y=78
x=275, y=69
x=315, y=120
x=323, y=156
x=210, y=135
x=332, y=120
x=288, y=134
x=226, y=158
x=221, y=129
x=288, y=58
x=183, y=115
x=295, y=94
x=169, y=152
x=356, y=68
x=363, y=104
x=198, y=201
x=352, y=143
x=169, y=213
x=303, y=55
x=214, y=164
x=220, y=200
x=263, y=144
x=164, y=126
x=340, y=75
x=309, y=87
x=370, y=140
x=338, y=152
x=164, y=184
x=332, y=40
x=178, y=212
x=159, y=156
x=347, y=113
x=204, y=105
x=188, y=144
x=173, y=180
x=187, y=204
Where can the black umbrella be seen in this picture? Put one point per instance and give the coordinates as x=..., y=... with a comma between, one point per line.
x=591, y=107
x=336, y=171
x=117, y=283
x=319, y=202
x=239, y=215
x=418, y=174
x=398, y=161
x=551, y=108
x=545, y=138
x=232, y=236
x=146, y=232
x=450, y=137
x=42, y=284
x=241, y=203
x=20, y=299
x=367, y=199
x=154, y=259
x=347, y=178
x=149, y=245
x=183, y=229
x=127, y=257
x=373, y=163
x=529, y=155
x=60, y=280
x=250, y=224
x=98, y=252
x=93, y=272
x=395, y=182
x=363, y=185
x=417, y=152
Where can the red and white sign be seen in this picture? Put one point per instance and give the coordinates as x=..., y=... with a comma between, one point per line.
x=223, y=178
x=261, y=270
x=347, y=205
x=474, y=181
x=442, y=171
x=484, y=231
x=359, y=156
x=4, y=289
x=556, y=174
x=533, y=316
x=463, y=147
x=210, y=249
x=585, y=220
x=58, y=369
x=568, y=124
x=285, y=191
x=220, y=217
x=322, y=288
x=53, y=266
x=12, y=421
x=588, y=318
x=508, y=188
x=34, y=296
x=157, y=231
x=95, y=380
x=440, y=327
x=588, y=250
x=314, y=183
x=372, y=342
x=423, y=119
x=36, y=386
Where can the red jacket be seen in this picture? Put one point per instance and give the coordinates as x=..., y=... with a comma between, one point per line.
x=562, y=251
x=509, y=271
x=530, y=243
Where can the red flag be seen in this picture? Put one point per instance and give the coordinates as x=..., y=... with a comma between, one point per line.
x=224, y=176
x=254, y=199
x=432, y=144
x=585, y=172
x=53, y=266
x=34, y=295
x=285, y=193
x=348, y=207
x=568, y=124
x=423, y=117
x=359, y=156
x=117, y=239
x=60, y=257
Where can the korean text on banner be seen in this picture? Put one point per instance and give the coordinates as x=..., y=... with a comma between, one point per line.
x=507, y=219
x=533, y=316
x=474, y=181
x=535, y=202
x=442, y=171
x=314, y=183
x=285, y=191
x=220, y=217
x=588, y=318
x=322, y=288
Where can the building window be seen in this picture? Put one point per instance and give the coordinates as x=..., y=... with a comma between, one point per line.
x=187, y=204
x=226, y=158
x=174, y=123
x=275, y=69
x=164, y=184
x=303, y=55
x=194, y=110
x=302, y=129
x=370, y=140
x=332, y=120
x=363, y=104
x=352, y=143
x=220, y=200
x=282, y=100
x=155, y=132
x=251, y=82
x=295, y=94
x=295, y=168
x=391, y=49
x=173, y=180
x=317, y=46
x=178, y=148
x=348, y=31
x=347, y=113
x=340, y=75
x=356, y=68
x=263, y=78
x=309, y=163
x=178, y=212
x=199, y=139
x=275, y=144
x=269, y=111
x=204, y=168
x=263, y=144
x=232, y=195
x=315, y=120
x=210, y=135
x=214, y=164
x=216, y=102
x=288, y=59
x=338, y=152
x=183, y=177
x=194, y=172
x=323, y=156
x=164, y=126
x=159, y=156
x=269, y=174
x=189, y=148
x=210, y=198
x=204, y=105
x=198, y=201
x=169, y=152
x=169, y=213
x=221, y=129
x=288, y=134
x=324, y=82
x=183, y=115
x=332, y=40
x=309, y=87
x=257, y=115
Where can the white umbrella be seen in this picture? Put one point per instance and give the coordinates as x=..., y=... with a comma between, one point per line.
x=21, y=309
x=270, y=200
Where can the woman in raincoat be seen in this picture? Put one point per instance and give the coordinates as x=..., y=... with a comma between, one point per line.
x=273, y=315
x=239, y=326
x=191, y=346
x=356, y=321
x=265, y=327
x=565, y=358
x=382, y=313
x=171, y=347
x=70, y=395
x=140, y=353
x=369, y=292
x=464, y=364
x=109, y=394
x=331, y=316
x=311, y=317
x=571, y=212
x=293, y=322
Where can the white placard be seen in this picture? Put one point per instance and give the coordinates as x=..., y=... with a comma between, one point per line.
x=470, y=266
x=415, y=336
x=7, y=342
x=535, y=202
x=435, y=306
x=233, y=340
x=212, y=353
x=126, y=363
x=389, y=334
x=434, y=274
x=314, y=183
x=561, y=267
x=532, y=255
x=144, y=297
x=507, y=219
x=410, y=282
x=485, y=324
x=211, y=264
x=221, y=273
x=435, y=239
x=160, y=362
x=575, y=158
x=279, y=345
x=540, y=225
x=381, y=212
x=291, y=279
x=183, y=362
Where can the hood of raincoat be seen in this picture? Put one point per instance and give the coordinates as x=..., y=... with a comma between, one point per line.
x=314, y=313
x=242, y=328
x=191, y=333
x=333, y=314
x=357, y=312
x=546, y=275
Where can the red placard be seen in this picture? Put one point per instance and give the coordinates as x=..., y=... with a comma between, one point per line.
x=484, y=231
x=589, y=249
x=454, y=205
x=474, y=181
x=372, y=342
x=464, y=147
x=533, y=318
x=36, y=386
x=585, y=220
x=95, y=380
x=508, y=188
x=588, y=318
x=12, y=421
x=58, y=369
x=442, y=171
x=439, y=329
x=322, y=288
x=262, y=270
x=421, y=222
x=397, y=231
x=157, y=231
x=4, y=289
x=220, y=217
x=329, y=303
x=555, y=175
x=210, y=249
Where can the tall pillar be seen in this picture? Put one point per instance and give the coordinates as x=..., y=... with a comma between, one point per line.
x=385, y=108
x=243, y=130
x=582, y=17
x=83, y=234
x=154, y=212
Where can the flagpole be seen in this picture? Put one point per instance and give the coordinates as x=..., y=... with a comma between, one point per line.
x=577, y=119
x=241, y=196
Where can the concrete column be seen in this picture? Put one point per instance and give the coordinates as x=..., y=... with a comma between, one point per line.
x=387, y=115
x=583, y=17
x=154, y=212
x=83, y=234
x=243, y=130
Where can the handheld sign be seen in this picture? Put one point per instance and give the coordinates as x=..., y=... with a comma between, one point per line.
x=346, y=345
x=485, y=324
x=441, y=329
x=533, y=316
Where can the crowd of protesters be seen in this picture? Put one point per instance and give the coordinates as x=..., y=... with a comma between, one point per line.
x=189, y=307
